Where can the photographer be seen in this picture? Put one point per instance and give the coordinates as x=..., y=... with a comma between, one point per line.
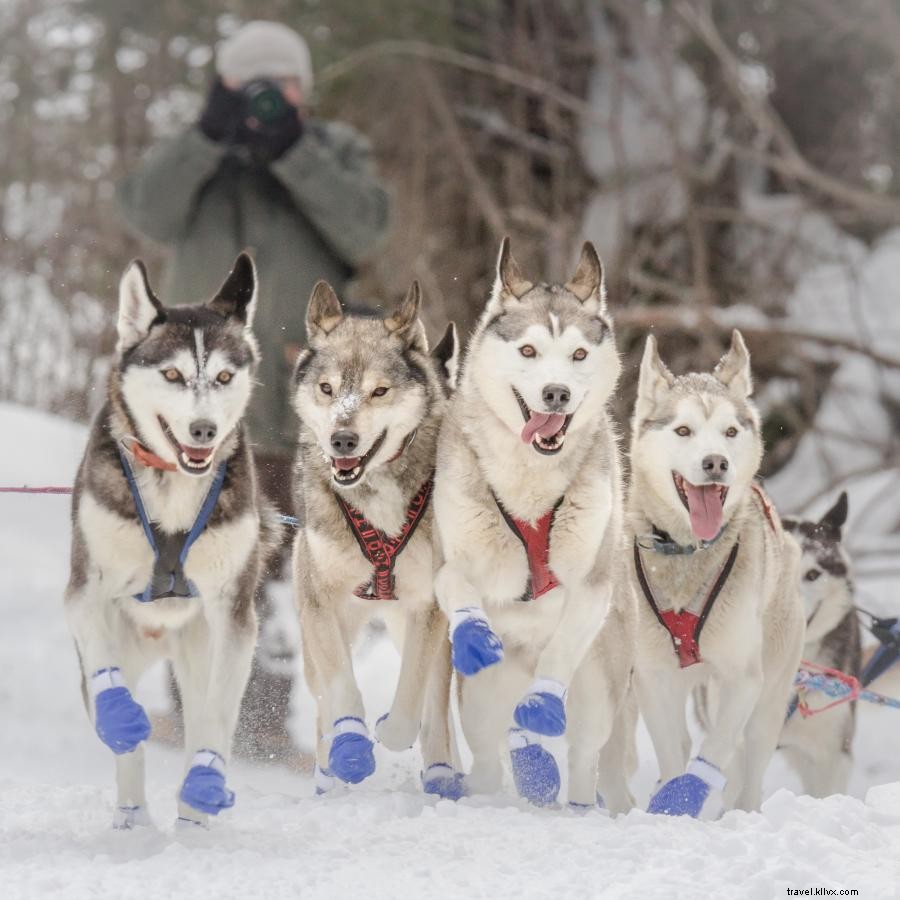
x=256, y=172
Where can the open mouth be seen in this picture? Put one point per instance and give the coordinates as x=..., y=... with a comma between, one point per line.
x=347, y=470
x=704, y=503
x=195, y=460
x=546, y=432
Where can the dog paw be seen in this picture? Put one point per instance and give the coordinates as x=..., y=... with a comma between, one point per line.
x=475, y=646
x=204, y=785
x=125, y=818
x=543, y=710
x=439, y=779
x=323, y=780
x=686, y=794
x=395, y=732
x=351, y=758
x=534, y=769
x=121, y=723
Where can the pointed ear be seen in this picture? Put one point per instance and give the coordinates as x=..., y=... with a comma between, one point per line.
x=587, y=282
x=237, y=296
x=404, y=320
x=837, y=515
x=139, y=309
x=655, y=378
x=509, y=283
x=733, y=369
x=446, y=352
x=324, y=312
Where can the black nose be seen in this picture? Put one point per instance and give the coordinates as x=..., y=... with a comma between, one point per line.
x=715, y=465
x=203, y=431
x=555, y=396
x=344, y=442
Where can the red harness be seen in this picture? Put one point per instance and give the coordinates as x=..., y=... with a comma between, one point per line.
x=382, y=550
x=536, y=541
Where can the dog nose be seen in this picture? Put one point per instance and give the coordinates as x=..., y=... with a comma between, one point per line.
x=715, y=465
x=344, y=442
x=202, y=431
x=555, y=396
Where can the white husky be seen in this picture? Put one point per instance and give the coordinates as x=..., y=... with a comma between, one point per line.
x=717, y=579
x=529, y=513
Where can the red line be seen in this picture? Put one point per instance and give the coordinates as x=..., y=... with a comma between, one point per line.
x=35, y=490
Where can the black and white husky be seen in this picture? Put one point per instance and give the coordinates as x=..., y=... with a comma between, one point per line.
x=168, y=536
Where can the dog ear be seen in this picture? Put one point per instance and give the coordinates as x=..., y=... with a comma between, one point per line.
x=509, y=283
x=139, y=308
x=324, y=312
x=654, y=378
x=587, y=283
x=835, y=518
x=237, y=296
x=446, y=352
x=404, y=320
x=733, y=369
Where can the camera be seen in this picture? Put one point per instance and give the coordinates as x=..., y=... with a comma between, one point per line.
x=264, y=101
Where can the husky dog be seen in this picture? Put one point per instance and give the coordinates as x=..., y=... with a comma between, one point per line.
x=529, y=511
x=717, y=579
x=819, y=747
x=168, y=536
x=370, y=400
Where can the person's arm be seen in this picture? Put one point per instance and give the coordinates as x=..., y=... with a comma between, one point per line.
x=331, y=176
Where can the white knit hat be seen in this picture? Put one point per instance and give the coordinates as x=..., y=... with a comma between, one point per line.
x=265, y=50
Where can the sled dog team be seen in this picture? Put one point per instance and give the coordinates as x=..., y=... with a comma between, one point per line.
x=480, y=509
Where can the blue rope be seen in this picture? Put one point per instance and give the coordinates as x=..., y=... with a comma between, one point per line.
x=293, y=521
x=837, y=689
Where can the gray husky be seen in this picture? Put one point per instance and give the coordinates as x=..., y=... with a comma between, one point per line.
x=169, y=534
x=717, y=578
x=819, y=747
x=370, y=399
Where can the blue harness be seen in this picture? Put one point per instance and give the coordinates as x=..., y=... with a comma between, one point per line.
x=169, y=555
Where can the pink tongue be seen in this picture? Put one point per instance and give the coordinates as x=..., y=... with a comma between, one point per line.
x=346, y=463
x=705, y=506
x=544, y=424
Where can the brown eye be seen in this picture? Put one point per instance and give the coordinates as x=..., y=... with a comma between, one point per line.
x=731, y=432
x=811, y=575
x=172, y=375
x=527, y=351
x=579, y=354
x=224, y=376
x=325, y=388
x=379, y=392
x=683, y=431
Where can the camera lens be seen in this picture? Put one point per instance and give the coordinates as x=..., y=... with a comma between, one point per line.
x=265, y=102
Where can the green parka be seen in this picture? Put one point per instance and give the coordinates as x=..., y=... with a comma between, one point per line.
x=317, y=212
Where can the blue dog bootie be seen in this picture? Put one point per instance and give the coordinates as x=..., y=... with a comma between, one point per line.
x=534, y=768
x=543, y=709
x=351, y=758
x=204, y=785
x=119, y=720
x=686, y=794
x=440, y=779
x=475, y=646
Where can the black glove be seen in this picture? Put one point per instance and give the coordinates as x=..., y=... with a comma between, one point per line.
x=273, y=140
x=222, y=117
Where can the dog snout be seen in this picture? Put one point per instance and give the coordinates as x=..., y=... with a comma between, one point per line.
x=556, y=397
x=203, y=431
x=715, y=465
x=344, y=442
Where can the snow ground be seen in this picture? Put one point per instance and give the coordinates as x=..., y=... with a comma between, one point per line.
x=382, y=839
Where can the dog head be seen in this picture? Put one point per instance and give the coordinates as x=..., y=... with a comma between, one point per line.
x=364, y=384
x=696, y=439
x=185, y=373
x=545, y=358
x=824, y=568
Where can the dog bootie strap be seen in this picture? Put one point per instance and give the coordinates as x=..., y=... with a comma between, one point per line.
x=125, y=818
x=534, y=769
x=204, y=788
x=475, y=646
x=120, y=722
x=351, y=758
x=686, y=794
x=440, y=779
x=543, y=708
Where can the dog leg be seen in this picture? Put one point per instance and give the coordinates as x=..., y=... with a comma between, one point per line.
x=662, y=695
x=618, y=759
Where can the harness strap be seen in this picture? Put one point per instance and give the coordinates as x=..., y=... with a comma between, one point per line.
x=767, y=505
x=170, y=551
x=536, y=541
x=379, y=549
x=684, y=627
